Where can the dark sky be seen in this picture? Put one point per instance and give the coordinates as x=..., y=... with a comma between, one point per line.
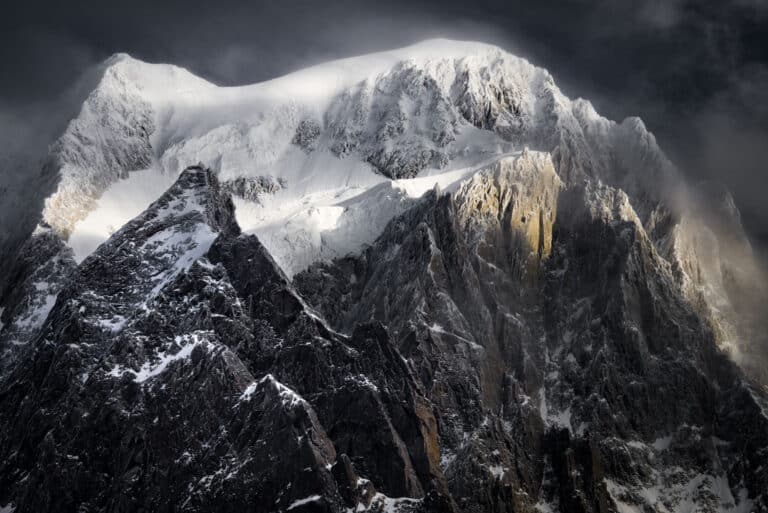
x=695, y=70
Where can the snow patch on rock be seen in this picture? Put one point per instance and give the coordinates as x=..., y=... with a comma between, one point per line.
x=163, y=359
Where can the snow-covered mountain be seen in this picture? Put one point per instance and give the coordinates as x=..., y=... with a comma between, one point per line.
x=455, y=287
x=320, y=138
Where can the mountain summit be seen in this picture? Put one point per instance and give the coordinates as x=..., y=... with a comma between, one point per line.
x=323, y=135
x=416, y=280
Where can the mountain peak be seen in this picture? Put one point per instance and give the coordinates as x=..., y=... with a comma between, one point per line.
x=116, y=58
x=329, y=131
x=155, y=82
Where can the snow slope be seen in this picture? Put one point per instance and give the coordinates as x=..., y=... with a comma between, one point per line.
x=145, y=122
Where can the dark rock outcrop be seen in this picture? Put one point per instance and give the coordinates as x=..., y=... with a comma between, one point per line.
x=159, y=385
x=512, y=345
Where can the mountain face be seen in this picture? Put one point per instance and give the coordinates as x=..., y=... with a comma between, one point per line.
x=416, y=281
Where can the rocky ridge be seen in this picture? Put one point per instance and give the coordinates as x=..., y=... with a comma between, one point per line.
x=477, y=357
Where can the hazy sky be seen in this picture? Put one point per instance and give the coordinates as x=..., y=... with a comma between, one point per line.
x=695, y=71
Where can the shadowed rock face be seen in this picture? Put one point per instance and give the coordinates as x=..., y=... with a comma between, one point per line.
x=156, y=384
x=34, y=281
x=567, y=366
x=512, y=345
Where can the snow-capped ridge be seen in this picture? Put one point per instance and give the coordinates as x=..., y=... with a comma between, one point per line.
x=311, y=83
x=156, y=82
x=417, y=110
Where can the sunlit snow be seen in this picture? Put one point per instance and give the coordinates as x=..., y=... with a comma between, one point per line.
x=329, y=206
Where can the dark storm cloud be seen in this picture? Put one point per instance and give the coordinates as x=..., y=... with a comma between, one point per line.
x=695, y=71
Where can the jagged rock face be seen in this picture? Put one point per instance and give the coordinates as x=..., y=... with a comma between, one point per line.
x=252, y=189
x=364, y=393
x=466, y=317
x=508, y=211
x=561, y=382
x=622, y=340
x=42, y=268
x=401, y=124
x=159, y=384
x=504, y=346
x=414, y=117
